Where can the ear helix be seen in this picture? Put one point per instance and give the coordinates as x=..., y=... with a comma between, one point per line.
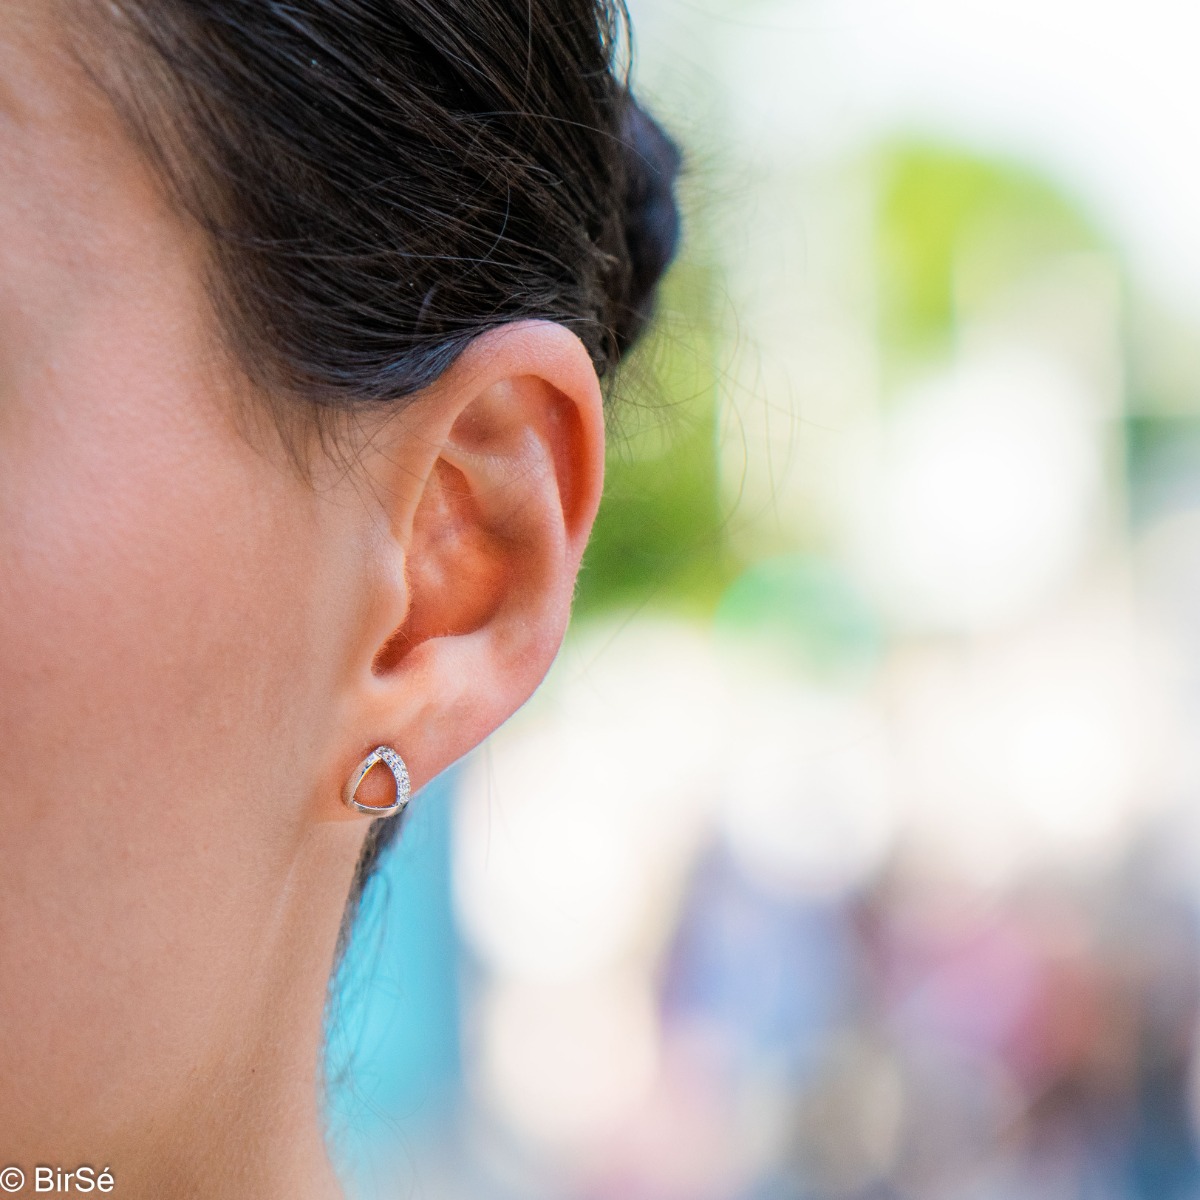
x=395, y=764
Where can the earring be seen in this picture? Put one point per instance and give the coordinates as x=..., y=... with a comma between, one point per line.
x=395, y=764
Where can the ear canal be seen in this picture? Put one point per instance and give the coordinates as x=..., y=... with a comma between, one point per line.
x=394, y=763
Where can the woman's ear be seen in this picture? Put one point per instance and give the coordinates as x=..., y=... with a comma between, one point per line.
x=489, y=484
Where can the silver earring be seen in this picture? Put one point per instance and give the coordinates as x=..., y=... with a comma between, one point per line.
x=395, y=764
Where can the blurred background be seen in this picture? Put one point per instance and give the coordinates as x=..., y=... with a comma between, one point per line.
x=852, y=847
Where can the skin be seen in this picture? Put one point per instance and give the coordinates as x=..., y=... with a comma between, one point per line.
x=198, y=643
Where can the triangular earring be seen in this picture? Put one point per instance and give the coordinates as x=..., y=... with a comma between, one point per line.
x=395, y=764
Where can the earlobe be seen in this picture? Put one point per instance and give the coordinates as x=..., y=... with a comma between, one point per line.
x=509, y=454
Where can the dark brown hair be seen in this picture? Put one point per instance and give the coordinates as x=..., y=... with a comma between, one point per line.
x=383, y=180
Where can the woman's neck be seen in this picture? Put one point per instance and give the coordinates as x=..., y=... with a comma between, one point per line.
x=250, y=1125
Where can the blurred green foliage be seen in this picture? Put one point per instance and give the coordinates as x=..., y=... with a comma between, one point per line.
x=953, y=228
x=1162, y=461
x=806, y=612
x=659, y=538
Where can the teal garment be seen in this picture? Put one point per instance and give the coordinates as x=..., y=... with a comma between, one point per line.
x=393, y=1068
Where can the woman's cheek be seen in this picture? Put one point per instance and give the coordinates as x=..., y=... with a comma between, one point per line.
x=156, y=668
